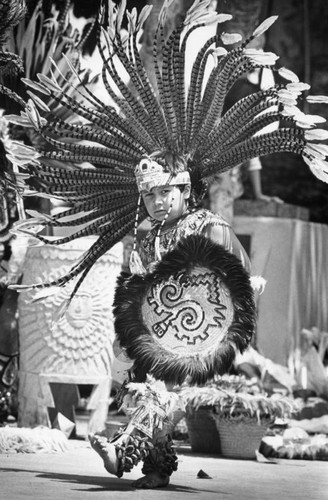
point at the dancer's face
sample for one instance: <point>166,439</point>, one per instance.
<point>159,199</point>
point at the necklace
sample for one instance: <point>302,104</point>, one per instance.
<point>168,235</point>
<point>167,238</point>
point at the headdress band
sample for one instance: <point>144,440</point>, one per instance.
<point>149,174</point>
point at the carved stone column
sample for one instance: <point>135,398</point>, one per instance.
<point>75,349</point>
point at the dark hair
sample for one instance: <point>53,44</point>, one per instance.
<point>192,202</point>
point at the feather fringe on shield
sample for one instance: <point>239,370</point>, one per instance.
<point>149,355</point>
<point>37,440</point>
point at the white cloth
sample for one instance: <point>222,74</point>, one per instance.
<point>292,256</point>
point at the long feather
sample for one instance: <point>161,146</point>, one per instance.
<point>92,149</point>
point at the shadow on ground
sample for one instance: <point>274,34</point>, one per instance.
<point>100,483</point>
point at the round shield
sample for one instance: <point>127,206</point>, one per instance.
<point>184,320</point>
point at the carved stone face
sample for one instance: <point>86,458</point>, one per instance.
<point>80,310</point>
<point>77,340</point>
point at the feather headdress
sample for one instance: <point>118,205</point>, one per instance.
<point>181,121</point>
<point>11,13</point>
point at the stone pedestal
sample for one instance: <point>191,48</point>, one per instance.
<point>75,348</point>
<point>291,254</point>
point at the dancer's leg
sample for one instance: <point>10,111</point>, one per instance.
<point>121,453</point>
<point>107,451</point>
<point>144,431</point>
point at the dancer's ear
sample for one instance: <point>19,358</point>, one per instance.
<point>186,191</point>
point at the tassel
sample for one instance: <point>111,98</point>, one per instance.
<point>157,250</point>
<point>158,256</point>
<point>135,264</point>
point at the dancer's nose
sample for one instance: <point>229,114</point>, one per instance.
<point>158,201</point>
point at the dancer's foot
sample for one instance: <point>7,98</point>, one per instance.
<point>152,480</point>
<point>106,451</point>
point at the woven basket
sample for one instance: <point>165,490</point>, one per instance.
<point>203,434</point>
<point>239,439</point>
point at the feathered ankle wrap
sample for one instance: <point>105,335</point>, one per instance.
<point>129,453</point>
<point>161,459</point>
<point>150,406</point>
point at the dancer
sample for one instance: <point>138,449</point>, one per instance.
<point>167,201</point>
<point>187,306</point>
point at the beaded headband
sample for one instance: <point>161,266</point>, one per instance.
<point>149,174</point>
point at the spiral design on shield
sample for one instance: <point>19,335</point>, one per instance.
<point>191,317</point>
<point>188,311</point>
<point>170,293</point>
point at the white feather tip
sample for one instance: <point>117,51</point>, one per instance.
<point>258,283</point>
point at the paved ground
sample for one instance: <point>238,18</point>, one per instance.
<point>78,474</point>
